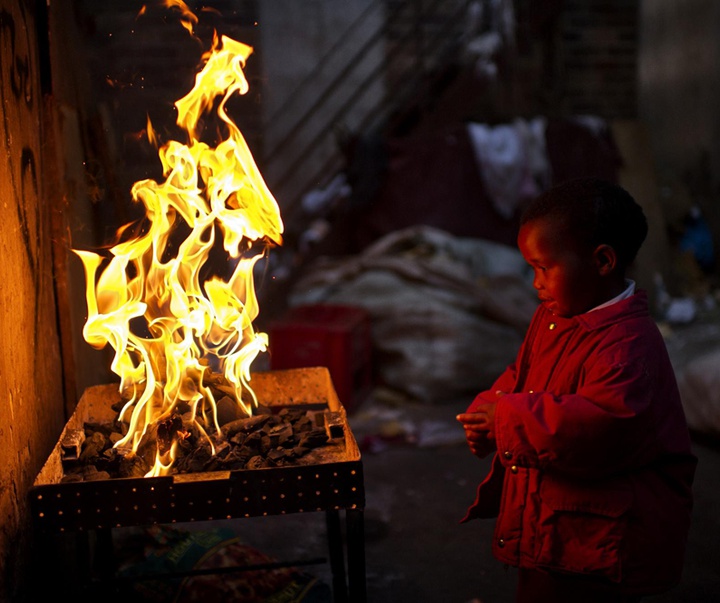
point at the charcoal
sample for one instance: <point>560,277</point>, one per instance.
<point>110,461</point>
<point>287,440</point>
<point>255,423</point>
<point>268,428</point>
<point>183,407</point>
<point>222,450</point>
<point>167,431</point>
<point>265,444</point>
<point>186,445</point>
<point>303,424</point>
<point>228,410</point>
<point>256,462</point>
<point>276,454</point>
<point>181,464</point>
<point>300,451</point>
<point>211,378</point>
<point>289,443</point>
<point>314,438</point>
<point>280,434</point>
<point>198,459</point>
<point>187,418</point>
<point>235,459</point>
<point>220,390</point>
<point>229,430</point>
<point>253,441</point>
<point>91,474</point>
<point>239,438</point>
<point>147,446</point>
<point>265,439</point>
<point>214,464</point>
<point>101,462</point>
<point>133,466</point>
<point>292,414</point>
<point>246,451</point>
<point>93,446</point>
<point>71,477</point>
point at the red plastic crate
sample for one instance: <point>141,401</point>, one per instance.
<point>333,336</point>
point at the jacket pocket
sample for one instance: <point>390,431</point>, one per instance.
<point>581,529</point>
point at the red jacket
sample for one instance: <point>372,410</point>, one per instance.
<point>594,467</point>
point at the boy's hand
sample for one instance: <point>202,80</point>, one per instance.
<point>480,429</point>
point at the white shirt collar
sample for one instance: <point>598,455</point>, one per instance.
<point>629,290</point>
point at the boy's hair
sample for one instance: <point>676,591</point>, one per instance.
<point>594,212</point>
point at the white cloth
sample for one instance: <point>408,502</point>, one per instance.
<point>629,290</point>
<point>512,161</point>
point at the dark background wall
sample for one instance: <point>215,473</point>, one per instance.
<point>678,93</point>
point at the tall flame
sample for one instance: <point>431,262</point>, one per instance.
<point>189,325</point>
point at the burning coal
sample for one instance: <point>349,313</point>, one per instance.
<point>263,440</point>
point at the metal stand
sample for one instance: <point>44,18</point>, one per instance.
<point>95,560</point>
<point>331,483</point>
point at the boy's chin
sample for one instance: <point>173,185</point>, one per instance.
<point>559,311</point>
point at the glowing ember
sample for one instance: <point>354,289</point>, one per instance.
<point>187,326</point>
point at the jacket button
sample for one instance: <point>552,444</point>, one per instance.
<point>501,543</point>
<point>507,454</point>
<point>514,469</point>
<point>551,326</point>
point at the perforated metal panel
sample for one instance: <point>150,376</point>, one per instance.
<point>142,501</point>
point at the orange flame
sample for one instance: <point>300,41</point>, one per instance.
<point>187,18</point>
<point>208,192</point>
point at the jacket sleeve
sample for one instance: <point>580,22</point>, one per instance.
<point>607,425</point>
<point>507,380</point>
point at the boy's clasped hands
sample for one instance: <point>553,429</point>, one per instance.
<point>479,424</point>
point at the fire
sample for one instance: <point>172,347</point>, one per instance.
<point>188,326</point>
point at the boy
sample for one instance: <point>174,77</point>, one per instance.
<point>592,469</point>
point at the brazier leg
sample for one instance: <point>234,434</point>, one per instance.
<point>337,556</point>
<point>355,521</point>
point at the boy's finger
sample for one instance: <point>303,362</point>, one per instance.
<point>472,418</point>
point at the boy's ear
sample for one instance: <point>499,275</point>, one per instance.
<point>605,259</point>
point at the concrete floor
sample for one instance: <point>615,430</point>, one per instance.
<point>419,479</point>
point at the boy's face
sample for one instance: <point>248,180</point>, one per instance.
<point>566,274</point>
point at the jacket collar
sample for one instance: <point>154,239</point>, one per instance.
<point>635,306</point>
